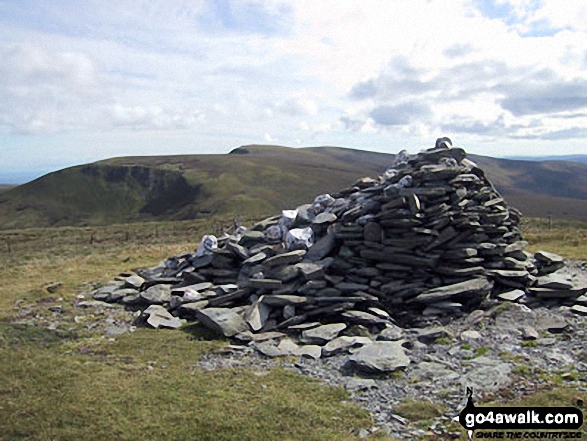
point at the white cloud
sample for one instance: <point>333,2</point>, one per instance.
<point>298,105</point>
<point>268,138</point>
<point>213,74</point>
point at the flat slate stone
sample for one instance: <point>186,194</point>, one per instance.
<point>134,281</point>
<point>554,281</point>
<point>283,299</point>
<point>104,293</point>
<point>309,351</point>
<point>288,346</point>
<point>391,333</point>
<point>321,248</point>
<point>489,377</point>
<point>257,258</point>
<point>119,294</point>
<point>265,283</point>
<point>322,334</point>
<point>362,317</point>
<point>310,270</point>
<point>548,258</point>
<point>285,258</point>
<point>511,296</point>
<point>189,309</point>
<point>268,348</point>
<point>477,286</point>
<point>556,293</point>
<point>324,218</point>
<point>579,309</point>
<point>343,344</point>
<point>380,357</point>
<point>222,320</point>
<point>248,336</point>
<point>257,314</point>
<point>159,317</point>
<point>156,294</point>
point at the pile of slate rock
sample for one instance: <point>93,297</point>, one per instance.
<point>426,242</point>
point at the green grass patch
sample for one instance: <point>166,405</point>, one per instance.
<point>419,410</point>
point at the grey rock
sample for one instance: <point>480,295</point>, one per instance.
<point>362,317</point>
<point>430,335</point>
<point>351,287</point>
<point>321,248</point>
<point>470,335</point>
<point>189,309</point>
<point>548,293</point>
<point>304,326</point>
<point>288,346</point>
<point>309,351</point>
<point>265,283</point>
<point>372,232</point>
<point>288,258</point>
<point>529,333</point>
<point>554,281</point>
<point>158,317</point>
<point>343,344</point>
<point>324,218</point>
<point>268,348</point>
<point>310,270</point>
<point>391,333</point>
<point>432,371</point>
<point>222,320</point>
<point>579,309</point>
<point>322,334</point>
<point>257,314</point>
<point>379,357</point>
<point>548,258</point>
<point>488,376</point>
<point>104,293</point>
<point>478,286</point>
<point>255,259</point>
<point>134,281</point>
<point>512,296</point>
<point>156,294</point>
<point>359,384</point>
<point>285,273</point>
<point>131,299</point>
<point>283,299</point>
<point>248,336</point>
<point>238,250</point>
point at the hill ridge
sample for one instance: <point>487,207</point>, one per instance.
<point>261,180</point>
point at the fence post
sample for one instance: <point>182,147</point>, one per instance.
<point>8,247</point>
<point>91,239</point>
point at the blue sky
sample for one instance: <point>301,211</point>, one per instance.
<point>83,81</point>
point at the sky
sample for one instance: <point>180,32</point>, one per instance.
<point>84,81</point>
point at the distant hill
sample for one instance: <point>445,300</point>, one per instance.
<point>6,187</point>
<point>569,158</point>
<point>255,180</point>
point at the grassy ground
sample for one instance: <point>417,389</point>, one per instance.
<point>70,384</point>
<point>567,238</point>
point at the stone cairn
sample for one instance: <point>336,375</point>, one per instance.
<point>426,242</point>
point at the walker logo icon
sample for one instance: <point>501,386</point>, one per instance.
<point>518,418</point>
